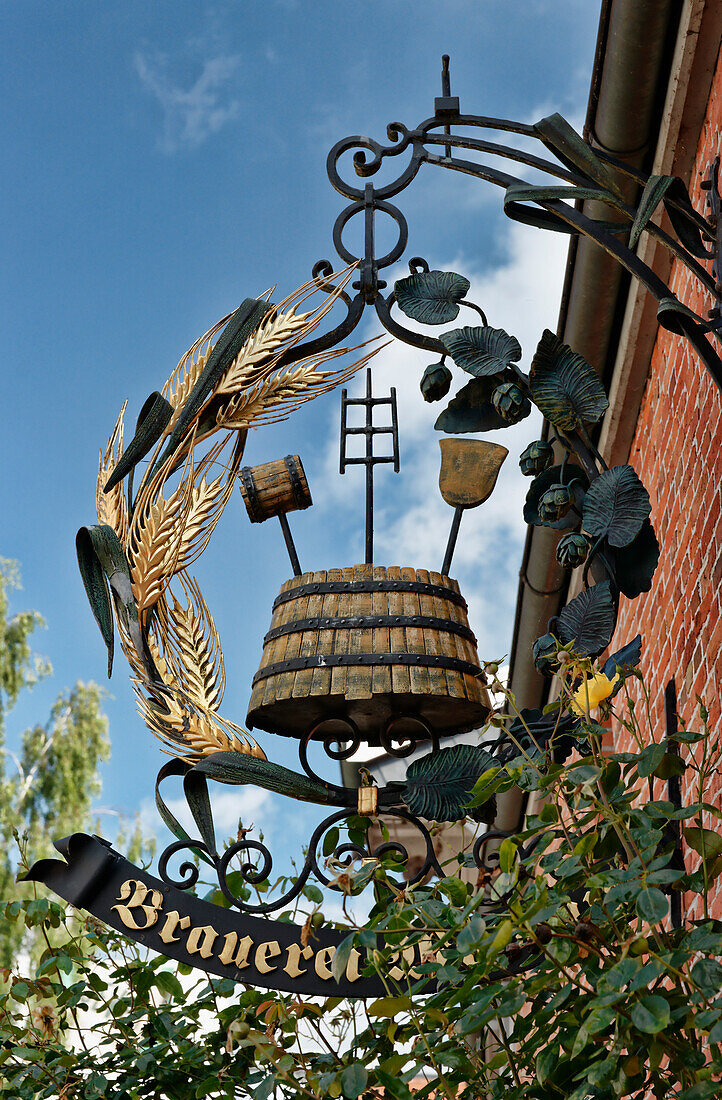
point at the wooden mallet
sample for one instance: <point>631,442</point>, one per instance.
<point>273,489</point>
<point>469,469</point>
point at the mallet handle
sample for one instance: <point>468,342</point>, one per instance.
<point>288,537</point>
<point>453,534</point>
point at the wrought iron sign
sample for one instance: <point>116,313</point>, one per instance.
<point>362,654</point>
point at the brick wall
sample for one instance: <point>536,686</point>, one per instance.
<point>677,452</point>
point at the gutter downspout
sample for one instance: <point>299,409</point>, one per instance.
<point>635,45</point>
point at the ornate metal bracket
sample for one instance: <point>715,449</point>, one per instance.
<point>553,207</point>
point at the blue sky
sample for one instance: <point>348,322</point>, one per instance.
<point>166,160</point>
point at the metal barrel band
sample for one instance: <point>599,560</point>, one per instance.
<point>252,493</point>
<point>338,660</point>
<point>342,587</point>
<point>366,622</point>
<point>296,488</point>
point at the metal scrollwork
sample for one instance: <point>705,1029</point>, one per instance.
<point>327,871</point>
<point>432,142</point>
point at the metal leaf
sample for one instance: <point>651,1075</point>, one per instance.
<point>96,589</point>
<point>589,620</point>
<point>482,351</point>
<point>104,569</point>
<point>684,221</point>
<point>431,297</point>
<point>655,189</point>
<point>572,150</point>
<point>241,325</point>
<point>626,658</point>
<point>438,786</point>
<point>543,481</point>
<point>471,410</point>
<point>233,767</point>
<point>152,421</point>
<point>564,386</point>
<point>616,506</point>
<point>533,731</point>
<point>634,565</point>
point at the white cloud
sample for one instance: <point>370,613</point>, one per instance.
<point>191,114</point>
<point>411,520</point>
<point>252,805</point>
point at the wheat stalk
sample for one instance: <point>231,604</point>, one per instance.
<point>112,507</point>
<point>192,648</point>
<point>179,696</point>
<point>260,346</point>
<point>189,727</point>
<point>153,541</point>
<point>274,399</point>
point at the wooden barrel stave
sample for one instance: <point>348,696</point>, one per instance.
<point>292,701</point>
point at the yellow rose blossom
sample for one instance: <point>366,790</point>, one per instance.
<point>592,692</point>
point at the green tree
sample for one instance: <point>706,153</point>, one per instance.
<point>46,789</point>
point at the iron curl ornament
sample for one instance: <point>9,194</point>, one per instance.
<point>257,366</point>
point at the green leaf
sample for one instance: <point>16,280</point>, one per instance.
<point>545,1063</point>
<point>564,386</point>
<point>471,936</point>
<point>471,410</point>
<point>439,785</point>
<point>341,957</point>
<point>616,506</point>
<point>651,904</point>
<point>707,974</point>
<point>649,759</point>
<point>650,1014</point>
<point>330,841</point>
<point>670,765</point>
<point>507,855</point>
<point>169,984</point>
<point>501,939</point>
<point>483,351</point>
<point>264,1090</point>
<point>703,1090</point>
<point>393,1086</point>
<point>634,565</point>
<point>588,620</point>
<point>390,1006</point>
<point>353,1080</point>
<point>543,481</point>
<point>431,297</point>
<point>704,841</point>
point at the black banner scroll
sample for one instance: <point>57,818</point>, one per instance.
<point>177,924</point>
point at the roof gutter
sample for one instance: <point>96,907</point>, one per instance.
<point>634,53</point>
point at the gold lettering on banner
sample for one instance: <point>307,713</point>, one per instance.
<point>173,921</point>
<point>200,941</point>
<point>264,951</point>
<point>352,970</point>
<point>398,972</point>
<point>322,962</point>
<point>295,951</point>
<point>240,958</point>
<point>138,892</point>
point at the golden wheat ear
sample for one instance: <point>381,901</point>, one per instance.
<point>232,378</point>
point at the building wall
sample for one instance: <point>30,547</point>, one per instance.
<point>677,452</point>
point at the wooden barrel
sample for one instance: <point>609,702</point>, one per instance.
<point>274,488</point>
<point>372,644</point>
